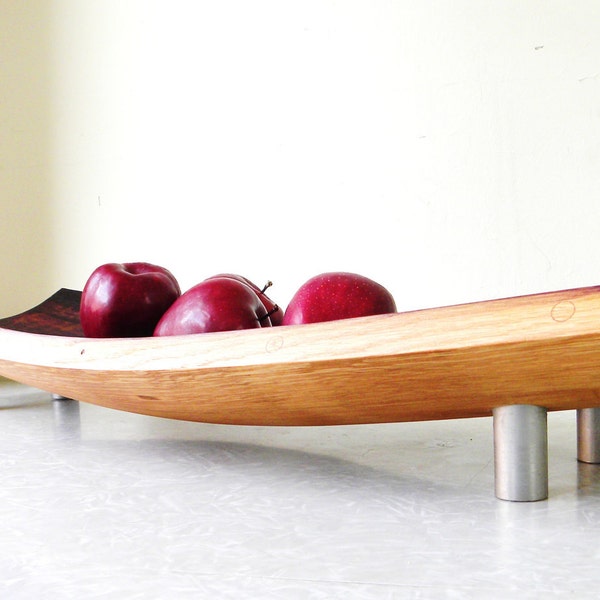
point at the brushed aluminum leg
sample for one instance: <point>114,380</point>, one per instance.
<point>67,420</point>
<point>588,435</point>
<point>521,453</point>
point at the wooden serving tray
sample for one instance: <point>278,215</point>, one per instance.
<point>441,363</point>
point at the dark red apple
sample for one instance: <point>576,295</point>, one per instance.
<point>275,311</point>
<point>216,304</point>
<point>126,299</point>
<point>338,295</point>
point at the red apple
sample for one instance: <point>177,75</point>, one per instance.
<point>126,299</point>
<point>338,295</point>
<point>275,311</point>
<point>216,304</point>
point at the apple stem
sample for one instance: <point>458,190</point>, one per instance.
<point>273,310</point>
<point>266,287</point>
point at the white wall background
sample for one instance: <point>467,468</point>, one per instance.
<point>450,150</point>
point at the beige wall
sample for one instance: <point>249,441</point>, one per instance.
<point>448,149</point>
<point>26,244</point>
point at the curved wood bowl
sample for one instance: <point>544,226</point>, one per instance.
<point>441,363</point>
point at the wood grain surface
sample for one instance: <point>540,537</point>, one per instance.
<point>441,363</point>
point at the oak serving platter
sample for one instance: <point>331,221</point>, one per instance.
<point>440,363</point>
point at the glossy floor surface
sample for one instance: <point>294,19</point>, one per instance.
<point>98,503</point>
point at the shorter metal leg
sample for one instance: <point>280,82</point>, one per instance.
<point>521,453</point>
<point>588,435</point>
<point>59,397</point>
<point>67,420</point>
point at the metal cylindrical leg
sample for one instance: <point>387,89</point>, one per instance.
<point>521,453</point>
<point>67,420</point>
<point>588,435</point>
